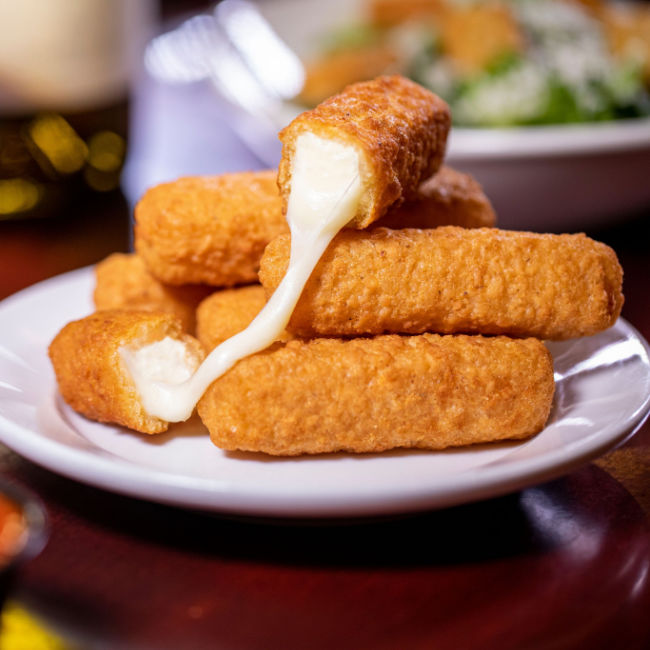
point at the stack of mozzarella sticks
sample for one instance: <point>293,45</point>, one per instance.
<point>422,325</point>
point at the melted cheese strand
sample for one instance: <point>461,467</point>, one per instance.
<point>317,210</point>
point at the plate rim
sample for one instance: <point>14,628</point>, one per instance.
<point>549,140</point>
<point>214,495</point>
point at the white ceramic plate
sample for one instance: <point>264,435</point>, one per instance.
<point>603,395</point>
<point>546,178</point>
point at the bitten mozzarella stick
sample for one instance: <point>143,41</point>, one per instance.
<point>448,198</point>
<point>228,312</point>
<point>209,229</point>
<point>369,395</point>
<point>397,128</point>
<point>88,357</point>
<point>123,282</point>
<point>451,279</point>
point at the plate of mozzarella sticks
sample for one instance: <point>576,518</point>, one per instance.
<point>350,334</point>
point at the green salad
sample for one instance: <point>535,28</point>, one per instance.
<point>563,72</point>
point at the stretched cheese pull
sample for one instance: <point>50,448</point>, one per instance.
<point>227,312</point>
<point>449,197</point>
<point>451,280</point>
<point>344,163</point>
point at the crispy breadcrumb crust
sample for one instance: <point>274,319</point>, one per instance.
<point>370,395</point>
<point>228,312</point>
<point>448,198</point>
<point>399,129</point>
<point>209,229</point>
<point>122,281</point>
<point>91,375</point>
<point>452,279</point>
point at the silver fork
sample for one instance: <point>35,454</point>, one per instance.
<point>252,69</point>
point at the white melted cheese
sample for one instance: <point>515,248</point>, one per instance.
<point>167,361</point>
<point>325,194</point>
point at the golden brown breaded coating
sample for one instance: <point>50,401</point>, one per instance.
<point>452,279</point>
<point>448,198</point>
<point>399,129</point>
<point>209,229</point>
<point>122,281</point>
<point>92,377</point>
<point>369,395</point>
<point>228,312</point>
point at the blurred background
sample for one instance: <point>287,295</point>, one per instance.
<point>70,73</point>
<point>100,100</point>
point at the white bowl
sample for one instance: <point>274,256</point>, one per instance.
<point>546,178</point>
<point>559,178</point>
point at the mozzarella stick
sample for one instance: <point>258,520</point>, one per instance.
<point>370,395</point>
<point>209,229</point>
<point>122,281</point>
<point>451,279</point>
<point>227,312</point>
<point>213,230</point>
<point>448,198</point>
<point>89,363</point>
<point>398,129</point>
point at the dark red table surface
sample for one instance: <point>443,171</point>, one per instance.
<point>557,566</point>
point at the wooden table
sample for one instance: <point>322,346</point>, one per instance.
<point>560,565</point>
